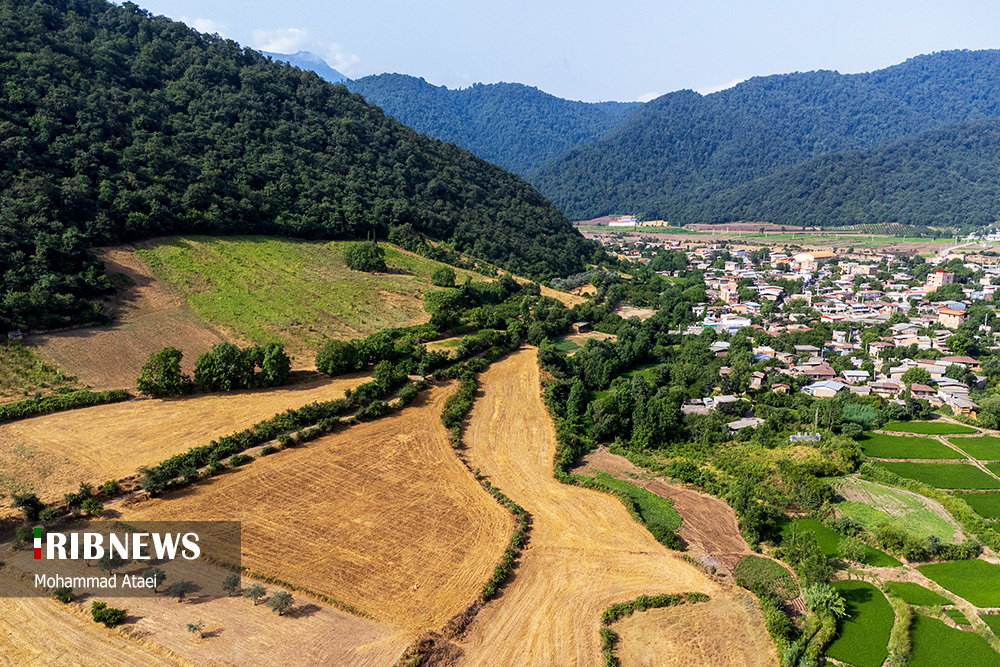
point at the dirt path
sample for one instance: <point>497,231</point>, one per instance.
<point>710,529</point>
<point>149,316</point>
<point>585,551</point>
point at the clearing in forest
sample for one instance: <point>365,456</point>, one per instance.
<point>381,516</point>
<point>50,455</point>
<point>585,551</point>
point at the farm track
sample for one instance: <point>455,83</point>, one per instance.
<point>585,551</point>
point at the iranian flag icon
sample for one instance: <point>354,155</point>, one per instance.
<point>38,543</point>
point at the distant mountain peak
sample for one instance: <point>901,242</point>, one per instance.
<point>306,60</point>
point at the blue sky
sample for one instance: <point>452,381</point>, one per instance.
<point>586,50</point>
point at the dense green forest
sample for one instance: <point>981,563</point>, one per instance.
<point>674,152</point>
<point>515,126</point>
<point>116,125</point>
<point>941,177</point>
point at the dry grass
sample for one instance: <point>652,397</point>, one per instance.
<point>716,633</point>
<point>382,516</point>
<point>585,551</point>
<point>51,455</point>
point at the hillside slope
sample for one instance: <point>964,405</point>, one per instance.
<point>678,149</point>
<point>515,126</point>
<point>117,126</point>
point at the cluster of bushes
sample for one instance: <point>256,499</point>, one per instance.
<point>109,616</point>
<point>396,346</point>
<point>32,407</point>
<point>458,406</point>
<point>614,612</point>
<point>224,368</point>
<point>903,543</point>
<point>365,256</point>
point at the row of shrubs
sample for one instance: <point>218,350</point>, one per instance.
<point>902,543</point>
<point>32,407</point>
<point>517,540</point>
<point>614,612</point>
<point>364,400</point>
<point>958,508</point>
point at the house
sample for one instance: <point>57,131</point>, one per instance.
<point>581,327</point>
<point>781,388</point>
<point>922,391</point>
<point>856,377</point>
<point>963,361</point>
<point>951,318</point>
<point>820,372</point>
<point>751,422</point>
<point>962,406</point>
<point>939,278</point>
<point>811,261</point>
<point>886,389</point>
<point>824,388</point>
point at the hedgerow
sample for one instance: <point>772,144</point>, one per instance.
<point>32,407</point>
<point>619,610</point>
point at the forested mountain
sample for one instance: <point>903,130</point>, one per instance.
<point>671,154</point>
<point>939,177</point>
<point>309,62</point>
<point>515,126</point>
<point>116,126</point>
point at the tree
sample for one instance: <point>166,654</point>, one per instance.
<point>156,574</point>
<point>989,412</point>
<point>365,256</point>
<point>109,616</point>
<point>443,276</point>
<point>824,600</point>
<point>224,368</point>
<point>64,594</point>
<point>280,602</point>
<point>338,357</point>
<point>255,592</point>
<point>111,561</point>
<point>178,590</point>
<point>275,366</point>
<point>916,375</point>
<point>198,627</point>
<point>92,507</point>
<point>29,504</point>
<point>853,549</point>
<point>231,584</point>
<point>161,374</point>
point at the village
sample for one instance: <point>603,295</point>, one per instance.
<point>896,320</point>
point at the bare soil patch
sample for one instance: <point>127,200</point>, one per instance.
<point>149,316</point>
<point>710,529</point>
<point>585,551</point>
<point>684,635</point>
<point>381,516</point>
<point>626,312</point>
<point>52,454</point>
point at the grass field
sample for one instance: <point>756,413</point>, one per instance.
<point>754,569</point>
<point>912,593</point>
<point>654,509</point>
<point>829,542</point>
<point>934,644</point>
<point>929,428</point>
<point>993,621</point>
<point>881,445</point>
<point>974,580</point>
<point>921,520</point>
<point>52,454</point>
<point>382,516</point>
<point>23,373</point>
<point>872,504</point>
<point>943,475</point>
<point>268,289</point>
<point>985,448</point>
<point>863,635</point>
<point>985,504</point>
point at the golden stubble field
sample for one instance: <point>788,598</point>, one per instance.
<point>381,516</point>
<point>585,551</point>
<point>52,454</point>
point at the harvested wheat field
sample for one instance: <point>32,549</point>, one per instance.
<point>155,630</point>
<point>717,633</point>
<point>381,516</point>
<point>149,315</point>
<point>585,551</point>
<point>52,454</point>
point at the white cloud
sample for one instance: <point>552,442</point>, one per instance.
<point>646,97</point>
<point>715,89</point>
<point>292,40</point>
<point>206,25</point>
<point>281,40</point>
